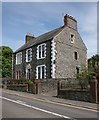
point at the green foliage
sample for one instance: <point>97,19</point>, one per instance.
<point>93,64</point>
<point>86,74</point>
<point>29,82</point>
<point>23,81</point>
<point>5,61</point>
<point>83,78</point>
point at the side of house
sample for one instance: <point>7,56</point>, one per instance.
<point>70,50</point>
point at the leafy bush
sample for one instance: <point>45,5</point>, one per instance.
<point>84,77</point>
<point>5,61</point>
<point>29,81</point>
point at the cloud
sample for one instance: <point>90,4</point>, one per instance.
<point>89,22</point>
<point>38,18</point>
<point>88,29</point>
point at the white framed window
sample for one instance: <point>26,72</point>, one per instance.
<point>28,55</point>
<point>19,58</point>
<point>28,72</point>
<point>41,51</point>
<point>72,37</point>
<point>18,75</point>
<point>41,72</point>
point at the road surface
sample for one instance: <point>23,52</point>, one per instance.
<point>14,106</point>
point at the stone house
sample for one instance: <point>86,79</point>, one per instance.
<point>59,53</point>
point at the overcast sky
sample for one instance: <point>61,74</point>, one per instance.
<point>21,18</point>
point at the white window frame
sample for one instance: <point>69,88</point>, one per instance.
<point>40,66</point>
<point>72,41</point>
<point>30,49</point>
<point>42,57</point>
<point>18,58</point>
<point>18,73</point>
<point>28,67</point>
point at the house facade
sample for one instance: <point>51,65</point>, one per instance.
<point>59,53</point>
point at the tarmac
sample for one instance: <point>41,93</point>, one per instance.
<point>51,97</point>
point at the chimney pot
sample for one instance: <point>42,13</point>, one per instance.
<point>28,37</point>
<point>70,22</point>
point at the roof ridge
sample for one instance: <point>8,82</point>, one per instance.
<point>42,38</point>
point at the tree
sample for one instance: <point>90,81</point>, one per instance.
<point>87,73</point>
<point>5,61</point>
<point>84,77</point>
<point>93,64</point>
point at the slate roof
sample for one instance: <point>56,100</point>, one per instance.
<point>40,39</point>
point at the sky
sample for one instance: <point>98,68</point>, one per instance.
<point>20,18</point>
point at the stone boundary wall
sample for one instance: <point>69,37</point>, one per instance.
<point>77,95</point>
<point>47,85</point>
<point>66,88</point>
<point>72,90</point>
<point>18,87</point>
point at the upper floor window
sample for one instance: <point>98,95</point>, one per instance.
<point>72,38</point>
<point>75,55</point>
<point>19,58</point>
<point>41,51</point>
<point>28,55</point>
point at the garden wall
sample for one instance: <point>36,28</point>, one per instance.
<point>18,87</point>
<point>72,90</point>
<point>76,95</point>
<point>47,85</point>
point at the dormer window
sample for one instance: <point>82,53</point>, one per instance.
<point>41,51</point>
<point>18,58</point>
<point>28,55</point>
<point>72,38</point>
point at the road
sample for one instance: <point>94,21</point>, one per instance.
<point>14,106</point>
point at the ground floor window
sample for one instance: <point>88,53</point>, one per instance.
<point>18,75</point>
<point>77,70</point>
<point>28,72</point>
<point>41,72</point>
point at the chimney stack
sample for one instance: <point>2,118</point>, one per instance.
<point>28,37</point>
<point>70,22</point>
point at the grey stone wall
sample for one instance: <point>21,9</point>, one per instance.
<point>17,87</point>
<point>71,89</point>
<point>47,85</point>
<point>65,62</point>
<point>77,95</point>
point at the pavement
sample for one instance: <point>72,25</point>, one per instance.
<point>50,97</point>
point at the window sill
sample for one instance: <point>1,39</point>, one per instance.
<point>19,64</point>
<point>40,58</point>
<point>28,61</point>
